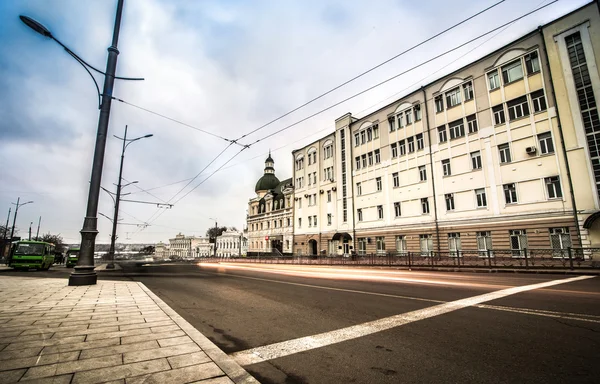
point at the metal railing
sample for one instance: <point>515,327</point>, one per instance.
<point>493,259</point>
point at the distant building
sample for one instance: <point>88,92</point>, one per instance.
<point>161,251</point>
<point>203,247</point>
<point>270,215</point>
<point>229,244</point>
<point>183,247</point>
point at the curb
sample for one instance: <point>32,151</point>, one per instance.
<point>232,369</point>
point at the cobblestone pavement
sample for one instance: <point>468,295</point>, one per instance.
<point>111,332</point>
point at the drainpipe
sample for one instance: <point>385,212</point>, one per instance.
<point>562,139</point>
<point>351,187</point>
<point>435,215</point>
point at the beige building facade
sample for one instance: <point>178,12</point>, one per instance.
<point>479,159</point>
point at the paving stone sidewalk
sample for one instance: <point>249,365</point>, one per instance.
<point>111,332</point>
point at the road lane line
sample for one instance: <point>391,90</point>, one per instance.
<point>286,348</point>
<point>545,313</point>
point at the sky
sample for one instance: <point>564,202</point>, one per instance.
<point>226,67</point>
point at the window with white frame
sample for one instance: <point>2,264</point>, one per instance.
<point>504,151</point>
<point>315,220</point>
<point>397,209</point>
<point>454,246</point>
<point>329,219</point>
<point>499,116</point>
<point>327,151</point>
<point>357,159</point>
<point>378,183</point>
<point>401,244</point>
<point>425,205</point>
<point>446,167</point>
<point>442,134</point>
<point>380,212</point>
<point>545,142</point>
<point>472,123</point>
<point>411,144</point>
<point>299,222</point>
<point>426,244</point>
<point>553,187</point>
<point>493,80</point>
<point>392,123</point>
<point>484,242</point>
<point>310,201</point>
<point>402,147</point>
<point>538,100</point>
<point>468,90</point>
<point>510,193</point>
<point>375,131</point>
<point>356,139</point>
<point>364,160</point>
<point>315,177</point>
<point>453,97</point>
<point>532,62</point>
<point>396,179</point>
<point>380,242</point>
<point>299,164</point>
<point>300,202</point>
<point>475,160</point>
<point>363,137</point>
<point>408,115</point>
<point>377,156</point>
<point>560,239</point>
<point>370,158</point>
<point>369,134</point>
<point>449,197</point>
<point>362,245</point>
<point>400,118</point>
<point>422,173</point>
<point>358,189</point>
<point>309,221</point>
<point>359,214</point>
<point>512,72</point>
<point>328,173</point>
<point>518,108</point>
<point>418,112</point>
<point>420,142</point>
<point>518,242</point>
<point>439,104</point>
<point>394,148</point>
<point>480,198</point>
<point>457,129</point>
<point>329,196</point>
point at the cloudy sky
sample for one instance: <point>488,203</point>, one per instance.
<point>224,66</point>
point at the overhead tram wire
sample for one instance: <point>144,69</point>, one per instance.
<point>370,70</point>
<point>398,75</point>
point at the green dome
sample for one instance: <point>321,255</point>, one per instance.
<point>267,182</point>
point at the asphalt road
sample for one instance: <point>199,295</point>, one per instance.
<point>323,325</point>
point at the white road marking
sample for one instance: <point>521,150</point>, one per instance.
<point>541,312</point>
<point>286,348</point>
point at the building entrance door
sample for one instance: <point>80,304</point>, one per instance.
<point>277,247</point>
<point>346,249</point>
<point>313,247</point>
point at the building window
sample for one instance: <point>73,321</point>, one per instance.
<point>362,245</point>
<point>408,115</point>
<point>309,221</point>
<point>329,196</point>
<point>357,158</point>
<point>426,244</point>
<point>328,151</point>
<point>472,123</point>
<point>504,151</point>
<point>300,202</point>
<point>499,116</point>
<point>394,148</point>
<point>518,108</point>
<point>363,137</point>
<point>518,242</point>
<point>493,80</point>
<point>356,139</point>
<point>446,167</point>
<point>370,158</point>
<point>512,72</point>
<point>380,241</point>
<point>553,187</point>
<point>538,100</point>
<point>377,157</point>
<point>396,179</point>
<point>378,183</point>
<point>420,143</point>
<point>411,144</point>
<point>364,160</point>
<point>454,245</point>
<point>299,164</point>
<point>400,118</point>
<point>425,205</point>
<point>475,160</point>
<point>401,244</point>
<point>510,193</point>
<point>392,123</point>
<point>358,189</point>
<point>532,63</point>
<point>315,220</point>
<point>299,223</point>
<point>397,209</point>
<point>329,219</point>
<point>418,112</point>
<point>380,212</point>
<point>439,104</point>
<point>480,197</point>
<point>289,222</point>
<point>457,129</point>
<point>453,97</point>
<point>369,134</point>
<point>468,90</point>
<point>484,242</point>
<point>442,134</point>
<point>375,131</point>
<point>449,201</point>
<point>560,240</point>
<point>359,214</point>
<point>402,147</point>
<point>422,173</point>
<point>545,142</point>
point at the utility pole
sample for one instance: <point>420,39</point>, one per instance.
<point>12,231</point>
<point>37,234</point>
<point>30,224</point>
<point>4,234</point>
<point>215,249</point>
<point>113,238</point>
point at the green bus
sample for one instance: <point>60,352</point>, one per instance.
<point>31,254</point>
<point>72,257</point>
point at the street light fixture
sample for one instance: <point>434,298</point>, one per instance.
<point>12,231</point>
<point>83,273</point>
<point>113,237</point>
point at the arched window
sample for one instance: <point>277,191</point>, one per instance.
<point>276,204</point>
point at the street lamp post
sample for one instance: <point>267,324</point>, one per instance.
<point>215,247</point>
<point>111,252</point>
<point>83,273</point>
<point>12,231</point>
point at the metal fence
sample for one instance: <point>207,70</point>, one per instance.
<point>540,259</point>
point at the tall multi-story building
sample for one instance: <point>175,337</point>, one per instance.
<point>481,158</point>
<point>270,214</point>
